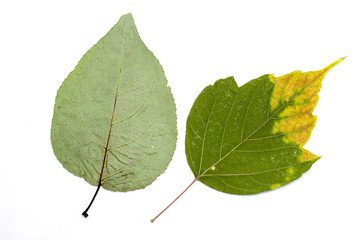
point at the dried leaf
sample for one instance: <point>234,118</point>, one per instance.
<point>114,118</point>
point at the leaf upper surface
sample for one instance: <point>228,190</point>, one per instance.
<point>249,139</point>
<point>115,115</point>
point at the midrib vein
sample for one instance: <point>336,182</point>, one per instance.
<point>113,114</point>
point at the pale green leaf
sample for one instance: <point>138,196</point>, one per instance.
<point>114,120</point>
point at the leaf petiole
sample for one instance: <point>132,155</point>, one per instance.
<point>152,220</point>
<point>92,200</point>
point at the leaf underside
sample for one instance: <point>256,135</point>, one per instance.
<point>249,139</point>
<point>114,115</point>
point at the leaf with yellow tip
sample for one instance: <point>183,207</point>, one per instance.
<point>249,139</point>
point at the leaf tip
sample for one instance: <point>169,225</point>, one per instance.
<point>334,63</point>
<point>342,58</point>
<point>128,17</point>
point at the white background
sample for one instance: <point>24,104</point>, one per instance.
<point>197,43</point>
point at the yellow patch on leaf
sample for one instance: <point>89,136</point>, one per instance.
<point>289,174</point>
<point>290,171</point>
<point>276,185</point>
<point>294,97</point>
<point>297,86</point>
<point>297,128</point>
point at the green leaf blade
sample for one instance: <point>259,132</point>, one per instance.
<point>116,108</point>
<point>250,139</point>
